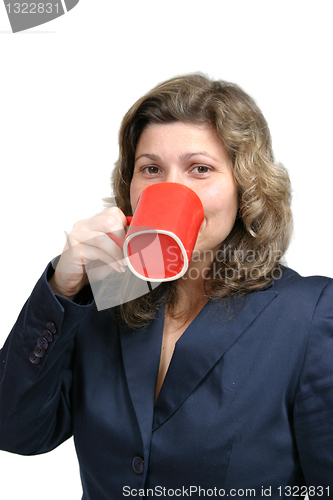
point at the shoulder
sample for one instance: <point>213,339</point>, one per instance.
<point>300,298</point>
<point>289,282</point>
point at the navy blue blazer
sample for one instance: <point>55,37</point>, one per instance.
<point>246,408</point>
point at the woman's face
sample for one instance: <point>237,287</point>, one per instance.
<point>192,155</point>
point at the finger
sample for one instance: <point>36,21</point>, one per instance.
<point>99,241</point>
<point>108,221</point>
<point>89,253</point>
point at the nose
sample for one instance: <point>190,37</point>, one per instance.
<point>174,175</point>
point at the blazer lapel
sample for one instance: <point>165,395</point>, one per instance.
<point>141,352</point>
<point>204,342</point>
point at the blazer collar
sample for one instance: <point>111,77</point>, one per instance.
<point>204,342</point>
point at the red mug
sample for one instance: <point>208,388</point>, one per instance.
<point>162,232</point>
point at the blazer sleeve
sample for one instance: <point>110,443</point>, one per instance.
<point>35,392</point>
<point>313,412</point>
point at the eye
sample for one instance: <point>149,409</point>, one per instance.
<point>201,169</point>
<point>150,170</point>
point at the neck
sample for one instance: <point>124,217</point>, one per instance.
<point>191,292</point>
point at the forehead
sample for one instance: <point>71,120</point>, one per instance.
<point>179,136</point>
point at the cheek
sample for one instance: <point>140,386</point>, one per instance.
<point>220,203</point>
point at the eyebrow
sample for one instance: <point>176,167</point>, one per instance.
<point>151,156</point>
<point>188,156</point>
<point>184,157</point>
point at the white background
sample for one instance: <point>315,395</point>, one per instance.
<point>64,89</point>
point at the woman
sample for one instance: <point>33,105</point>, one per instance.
<point>217,384</point>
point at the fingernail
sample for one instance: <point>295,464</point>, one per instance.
<point>123,269</point>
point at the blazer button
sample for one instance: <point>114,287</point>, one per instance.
<point>48,335</point>
<point>38,352</point>
<point>138,465</point>
<point>51,327</point>
<point>33,358</point>
<point>42,343</point>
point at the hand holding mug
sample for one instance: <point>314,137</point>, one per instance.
<point>157,247</point>
<point>86,243</point>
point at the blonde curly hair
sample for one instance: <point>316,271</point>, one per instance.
<point>250,256</point>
